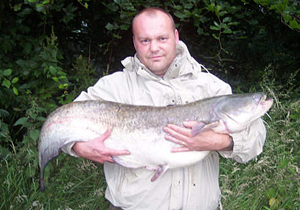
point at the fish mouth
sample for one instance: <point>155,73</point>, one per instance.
<point>265,102</point>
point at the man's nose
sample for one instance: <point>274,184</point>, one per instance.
<point>154,46</point>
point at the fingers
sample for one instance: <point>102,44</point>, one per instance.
<point>101,157</point>
<point>112,152</point>
<point>180,149</point>
<point>104,136</point>
<point>95,149</point>
<point>175,140</point>
<point>107,151</point>
<point>190,124</point>
<point>180,133</point>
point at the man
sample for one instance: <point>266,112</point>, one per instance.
<point>162,73</point>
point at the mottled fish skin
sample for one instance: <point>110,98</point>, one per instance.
<point>139,129</point>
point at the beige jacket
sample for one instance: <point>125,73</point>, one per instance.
<point>192,188</point>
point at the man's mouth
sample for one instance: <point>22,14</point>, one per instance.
<point>156,57</point>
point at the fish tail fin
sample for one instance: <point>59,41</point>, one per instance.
<point>42,185</point>
<point>159,171</point>
<point>42,181</point>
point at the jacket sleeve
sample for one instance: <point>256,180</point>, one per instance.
<point>248,143</point>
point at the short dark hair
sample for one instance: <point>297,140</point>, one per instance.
<point>152,11</point>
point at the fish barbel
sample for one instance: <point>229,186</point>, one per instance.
<point>139,129</point>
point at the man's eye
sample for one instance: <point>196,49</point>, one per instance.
<point>144,41</point>
<point>163,39</point>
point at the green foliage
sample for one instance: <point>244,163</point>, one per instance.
<point>289,11</point>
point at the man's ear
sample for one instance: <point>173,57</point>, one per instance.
<point>133,40</point>
<point>176,36</point>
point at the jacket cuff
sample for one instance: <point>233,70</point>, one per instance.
<point>68,148</point>
<point>248,143</point>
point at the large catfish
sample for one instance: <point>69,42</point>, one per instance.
<point>139,129</point>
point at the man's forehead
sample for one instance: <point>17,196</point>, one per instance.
<point>146,20</point>
<point>152,15</point>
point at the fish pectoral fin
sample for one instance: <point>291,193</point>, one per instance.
<point>159,171</point>
<point>201,126</point>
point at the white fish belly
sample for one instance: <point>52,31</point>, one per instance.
<point>150,150</point>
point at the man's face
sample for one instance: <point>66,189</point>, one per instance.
<point>155,41</point>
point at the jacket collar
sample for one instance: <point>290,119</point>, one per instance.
<point>182,64</point>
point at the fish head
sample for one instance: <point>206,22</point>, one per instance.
<point>238,111</point>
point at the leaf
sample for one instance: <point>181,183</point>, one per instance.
<point>55,79</point>
<point>4,113</point>
<point>21,62</point>
<point>25,11</point>
<point>273,6</point>
<point>112,6</point>
<point>17,7</point>
<point>200,31</point>
<point>180,15</point>
<point>21,121</point>
<point>188,6</point>
<point>34,134</point>
<point>54,53</point>
<point>15,80</point>
<point>236,23</point>
<point>286,17</point>
<point>217,10</point>
<point>52,70</point>
<point>227,31</point>
<point>15,90</point>
<point>294,24</point>
<point>7,72</point>
<point>111,27</point>
<point>217,24</point>
<point>214,28</point>
<point>41,119</point>
<point>117,36</point>
<point>6,83</point>
<point>227,19</point>
<point>211,7</point>
<point>215,36</point>
<point>124,27</point>
<point>222,13</point>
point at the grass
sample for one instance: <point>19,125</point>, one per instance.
<point>271,181</point>
<point>71,184</point>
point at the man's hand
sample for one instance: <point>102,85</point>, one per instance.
<point>204,141</point>
<point>95,149</point>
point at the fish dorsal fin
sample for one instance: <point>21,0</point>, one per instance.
<point>202,126</point>
<point>217,126</point>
